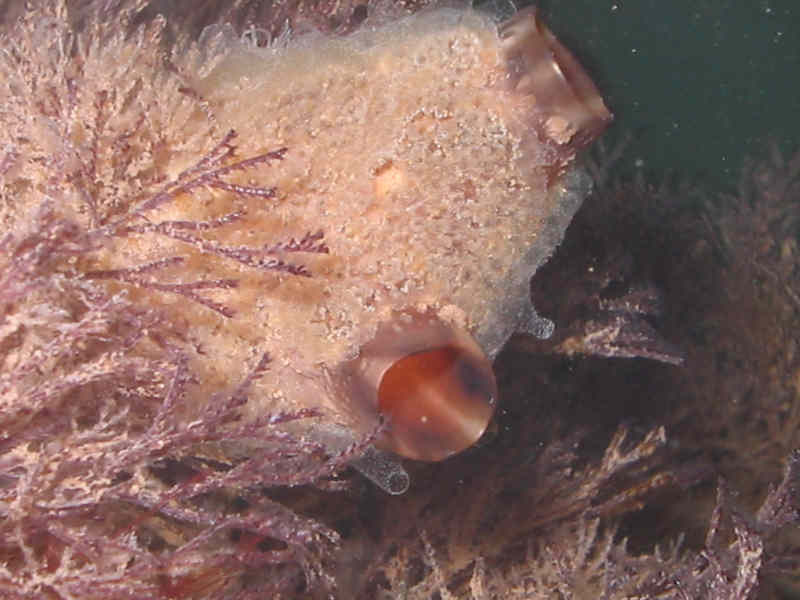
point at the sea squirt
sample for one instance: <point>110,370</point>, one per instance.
<point>421,170</point>
<point>434,151</point>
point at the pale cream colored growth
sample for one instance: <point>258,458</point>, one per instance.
<point>407,149</point>
<point>406,146</point>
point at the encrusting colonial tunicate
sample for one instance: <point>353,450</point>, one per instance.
<point>434,152</point>
<point>419,168</point>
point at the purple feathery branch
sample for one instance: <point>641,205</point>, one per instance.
<point>132,276</point>
<point>205,172</point>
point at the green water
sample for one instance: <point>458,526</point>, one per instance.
<point>701,84</point>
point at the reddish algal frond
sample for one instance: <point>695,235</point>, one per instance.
<point>189,290</point>
<point>310,242</point>
<point>251,257</point>
<point>207,172</point>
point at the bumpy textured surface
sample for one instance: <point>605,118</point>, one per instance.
<point>422,167</point>
<point>404,144</point>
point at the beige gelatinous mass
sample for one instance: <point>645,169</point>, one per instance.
<point>419,166</point>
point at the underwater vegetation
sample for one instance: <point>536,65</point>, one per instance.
<point>648,448</point>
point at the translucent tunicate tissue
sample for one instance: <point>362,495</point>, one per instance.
<point>384,470</point>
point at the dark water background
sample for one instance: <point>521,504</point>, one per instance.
<point>701,84</point>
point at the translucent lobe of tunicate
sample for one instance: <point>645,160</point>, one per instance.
<point>434,154</point>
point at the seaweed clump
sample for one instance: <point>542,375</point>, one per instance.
<point>114,485</point>
<point>649,448</point>
<point>110,482</point>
